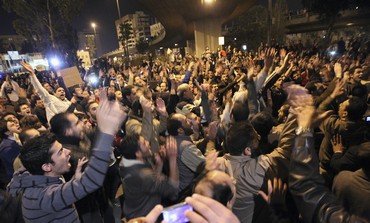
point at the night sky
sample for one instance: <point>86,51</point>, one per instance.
<point>103,13</point>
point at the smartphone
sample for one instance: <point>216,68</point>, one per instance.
<point>368,118</point>
<point>175,213</point>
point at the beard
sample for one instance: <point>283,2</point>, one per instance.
<point>187,131</point>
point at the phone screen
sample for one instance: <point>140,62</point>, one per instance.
<point>176,213</point>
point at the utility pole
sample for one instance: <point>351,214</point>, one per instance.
<point>50,25</point>
<point>119,10</point>
<point>269,22</point>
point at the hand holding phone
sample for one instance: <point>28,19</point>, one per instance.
<point>175,213</point>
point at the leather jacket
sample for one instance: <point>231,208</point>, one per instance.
<point>315,202</point>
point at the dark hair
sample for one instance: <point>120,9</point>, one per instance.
<point>59,124</point>
<point>36,152</point>
<point>363,154</point>
<point>17,108</point>
<point>137,110</point>
<point>356,108</point>
<point>360,91</point>
<point>87,107</point>
<point>30,122</point>
<point>222,193</point>
<point>263,122</point>
<point>23,136</point>
<point>173,124</point>
<point>34,100</point>
<point>127,90</point>
<point>239,137</point>
<point>353,69</point>
<point>129,146</point>
<point>240,111</point>
<point>3,129</point>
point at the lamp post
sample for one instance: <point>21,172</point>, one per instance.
<point>93,25</point>
<point>119,10</point>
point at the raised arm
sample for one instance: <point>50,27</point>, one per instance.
<point>109,117</point>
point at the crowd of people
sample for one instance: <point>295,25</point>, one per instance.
<point>276,135</point>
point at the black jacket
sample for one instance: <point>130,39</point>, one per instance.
<point>314,200</point>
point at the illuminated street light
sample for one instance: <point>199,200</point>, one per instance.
<point>93,25</point>
<point>208,1</point>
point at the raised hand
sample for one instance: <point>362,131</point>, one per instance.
<point>208,210</point>
<point>337,144</point>
<point>171,147</point>
<point>276,192</point>
<point>27,67</point>
<point>211,160</point>
<point>269,58</point>
<point>339,89</point>
<point>161,106</point>
<point>81,162</point>
<point>338,70</point>
<point>109,115</point>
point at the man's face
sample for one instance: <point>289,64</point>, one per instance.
<point>186,125</point>
<point>60,93</point>
<point>92,110</point>
<point>96,93</point>
<point>60,156</point>
<point>13,127</point>
<point>24,110</point>
<point>11,117</point>
<point>76,126</point>
<point>188,94</point>
<point>118,95</point>
<point>163,87</point>
<point>40,103</point>
<point>132,97</point>
<point>48,88</point>
<point>357,75</point>
<point>111,72</point>
<point>342,111</point>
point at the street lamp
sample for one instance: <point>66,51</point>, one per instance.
<point>93,25</point>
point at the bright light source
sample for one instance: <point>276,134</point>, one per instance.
<point>349,24</point>
<point>244,47</point>
<point>93,24</point>
<point>93,79</point>
<point>234,39</point>
<point>356,7</point>
<point>324,37</point>
<point>208,1</point>
<point>332,52</point>
<point>55,62</point>
<point>176,44</point>
<point>161,48</point>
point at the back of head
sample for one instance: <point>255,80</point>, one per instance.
<point>27,134</point>
<point>173,124</point>
<point>36,152</point>
<point>356,108</point>
<point>240,112</point>
<point>363,155</point>
<point>263,123</point>
<point>3,129</point>
<point>126,91</point>
<point>129,146</point>
<point>59,124</point>
<point>30,122</point>
<point>240,136</point>
<point>218,186</point>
